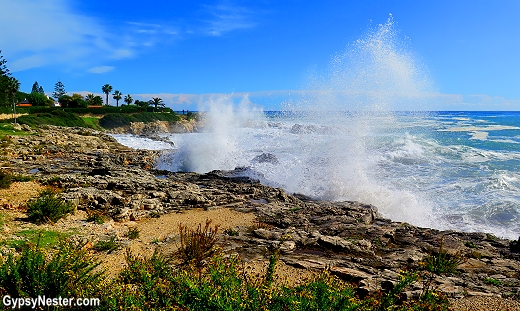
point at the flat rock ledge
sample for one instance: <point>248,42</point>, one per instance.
<point>350,239</point>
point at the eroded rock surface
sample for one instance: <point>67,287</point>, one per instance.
<point>350,239</point>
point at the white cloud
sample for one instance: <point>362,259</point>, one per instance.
<point>101,69</point>
<point>50,32</point>
<point>27,63</point>
<point>170,99</point>
<point>273,100</point>
<point>226,18</point>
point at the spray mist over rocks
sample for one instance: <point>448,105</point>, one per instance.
<point>321,147</point>
<point>349,139</point>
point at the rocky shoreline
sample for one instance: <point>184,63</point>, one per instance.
<point>350,239</point>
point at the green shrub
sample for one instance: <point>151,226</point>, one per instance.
<point>114,120</point>
<point>152,116</point>
<point>470,244</point>
<point>442,262</point>
<point>48,207</point>
<point>6,180</point>
<point>56,117</point>
<point>133,233</point>
<point>231,232</point>
<point>492,281</point>
<point>67,272</point>
<point>109,245</point>
<point>23,178</point>
<point>95,217</point>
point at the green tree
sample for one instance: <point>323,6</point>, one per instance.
<point>4,80</point>
<point>21,96</point>
<point>65,101</point>
<point>142,104</point>
<point>12,87</point>
<point>37,99</point>
<point>89,98</point>
<point>117,97</point>
<point>40,90</point>
<point>3,68</point>
<point>97,101</point>
<point>128,99</point>
<point>78,101</point>
<point>107,89</point>
<point>156,102</point>
<point>74,101</point>
<point>59,90</point>
<point>94,100</point>
<point>35,88</point>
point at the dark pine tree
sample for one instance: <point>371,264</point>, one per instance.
<point>35,88</point>
<point>3,68</point>
<point>59,90</point>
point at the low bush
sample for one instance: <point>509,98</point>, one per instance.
<point>492,281</point>
<point>42,238</point>
<point>95,217</point>
<point>133,233</point>
<point>197,245</point>
<point>48,207</point>
<point>442,263</point>
<point>159,283</point>
<point>6,180</point>
<point>68,272</point>
<point>114,120</point>
<point>56,117</point>
<point>109,245</point>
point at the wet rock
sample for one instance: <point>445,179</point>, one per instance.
<point>266,158</point>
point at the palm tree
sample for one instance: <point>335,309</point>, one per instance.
<point>12,87</point>
<point>89,98</point>
<point>107,88</point>
<point>128,99</point>
<point>156,102</point>
<point>117,97</point>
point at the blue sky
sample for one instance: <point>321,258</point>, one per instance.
<point>183,51</point>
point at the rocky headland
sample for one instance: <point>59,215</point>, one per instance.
<point>350,239</point>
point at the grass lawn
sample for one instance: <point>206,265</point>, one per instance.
<point>92,122</point>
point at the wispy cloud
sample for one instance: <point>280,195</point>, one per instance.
<point>226,18</point>
<point>278,99</point>
<point>50,32</point>
<point>101,69</point>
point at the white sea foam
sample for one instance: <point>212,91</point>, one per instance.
<point>141,142</point>
<point>480,128</point>
<point>479,135</point>
<point>344,142</point>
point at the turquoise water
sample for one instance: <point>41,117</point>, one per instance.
<point>446,170</point>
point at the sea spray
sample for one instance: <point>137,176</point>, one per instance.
<point>358,96</point>
<point>377,73</point>
<point>216,147</point>
<point>345,141</point>
<point>323,147</point>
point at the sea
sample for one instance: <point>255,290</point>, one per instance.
<point>366,128</point>
<point>448,170</point>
